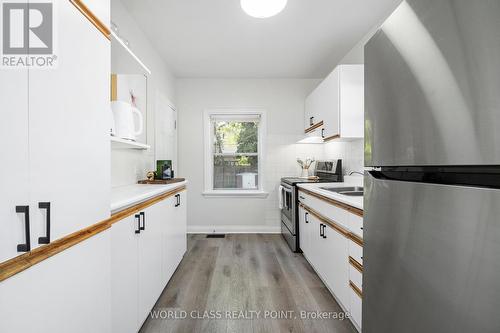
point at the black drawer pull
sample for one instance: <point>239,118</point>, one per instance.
<point>324,229</point>
<point>177,200</point>
<point>321,230</point>
<point>45,239</point>
<point>301,197</point>
<point>143,220</point>
<point>26,247</point>
<point>311,121</point>
<point>138,217</point>
<point>305,217</point>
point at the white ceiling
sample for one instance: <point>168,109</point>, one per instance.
<point>216,39</point>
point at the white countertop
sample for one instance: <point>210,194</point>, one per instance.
<point>129,195</point>
<point>356,202</point>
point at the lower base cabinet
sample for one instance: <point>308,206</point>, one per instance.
<point>59,294</point>
<point>327,250</point>
<point>146,249</point>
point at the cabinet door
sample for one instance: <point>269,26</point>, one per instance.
<point>168,225</point>
<point>315,251</point>
<point>329,104</point>
<point>69,292</point>
<point>352,101</point>
<point>181,227</point>
<point>336,264</point>
<point>150,259</point>
<point>14,169</point>
<point>124,275</point>
<point>69,139</point>
<point>311,110</point>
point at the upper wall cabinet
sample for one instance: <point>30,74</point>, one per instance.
<point>56,178</point>
<point>336,106</point>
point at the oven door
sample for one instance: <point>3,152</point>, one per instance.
<point>287,199</point>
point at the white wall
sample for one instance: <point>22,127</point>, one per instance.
<point>128,166</point>
<point>284,102</point>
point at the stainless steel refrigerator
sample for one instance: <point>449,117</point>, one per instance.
<point>432,143</point>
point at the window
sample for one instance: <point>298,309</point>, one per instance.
<point>233,152</point>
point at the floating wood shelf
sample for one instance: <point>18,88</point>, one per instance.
<point>117,143</point>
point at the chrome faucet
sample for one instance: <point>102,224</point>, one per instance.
<point>353,172</point>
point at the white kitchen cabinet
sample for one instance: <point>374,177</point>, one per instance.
<point>313,103</point>
<point>68,292</point>
<point>69,141</point>
<point>338,101</point>
<point>335,264</point>
<point>174,234</point>
<point>146,249</point>
<point>14,169</point>
<point>328,245</point>
<point>58,151</point>
<point>150,257</point>
<point>125,275</point>
<point>180,228</point>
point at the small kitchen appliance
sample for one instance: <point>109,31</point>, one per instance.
<point>325,172</point>
<point>125,126</point>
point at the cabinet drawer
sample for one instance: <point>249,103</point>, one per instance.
<point>338,214</point>
<point>356,251</point>
<point>356,304</point>
<point>356,223</point>
<point>331,212</point>
<point>356,276</point>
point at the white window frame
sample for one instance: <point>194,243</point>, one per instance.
<point>208,153</point>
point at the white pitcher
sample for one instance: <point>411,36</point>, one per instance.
<point>125,126</point>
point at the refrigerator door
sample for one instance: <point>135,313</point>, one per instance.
<point>431,258</point>
<point>432,76</point>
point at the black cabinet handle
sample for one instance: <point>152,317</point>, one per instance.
<point>321,230</point>
<point>178,200</point>
<point>45,239</point>
<point>324,229</point>
<point>323,133</point>
<point>26,211</point>
<point>311,121</point>
<point>143,220</point>
<point>138,217</point>
<point>305,217</point>
<point>301,197</point>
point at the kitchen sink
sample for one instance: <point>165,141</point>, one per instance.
<point>353,191</point>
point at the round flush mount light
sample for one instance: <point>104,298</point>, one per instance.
<point>263,8</point>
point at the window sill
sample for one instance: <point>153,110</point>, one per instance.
<point>236,194</point>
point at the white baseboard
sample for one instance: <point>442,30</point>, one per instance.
<point>233,229</point>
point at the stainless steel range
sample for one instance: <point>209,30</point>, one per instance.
<point>326,172</point>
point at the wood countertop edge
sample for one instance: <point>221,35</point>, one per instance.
<point>24,261</point>
<point>349,208</point>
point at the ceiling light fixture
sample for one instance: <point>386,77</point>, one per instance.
<point>263,8</point>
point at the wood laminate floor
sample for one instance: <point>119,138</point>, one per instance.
<point>222,284</point>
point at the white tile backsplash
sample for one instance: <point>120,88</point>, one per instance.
<point>351,153</point>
